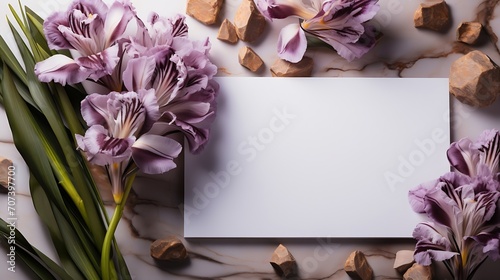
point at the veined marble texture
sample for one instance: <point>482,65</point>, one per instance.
<point>153,210</point>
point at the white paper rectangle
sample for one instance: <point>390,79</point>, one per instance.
<point>317,157</point>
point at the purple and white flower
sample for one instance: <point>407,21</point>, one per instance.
<point>92,29</point>
<point>339,23</point>
<point>159,82</point>
<point>467,157</point>
<point>180,72</point>
<point>465,225</point>
<point>119,125</point>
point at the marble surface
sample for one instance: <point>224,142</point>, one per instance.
<point>153,211</point>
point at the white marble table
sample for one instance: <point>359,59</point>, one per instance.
<point>153,211</point>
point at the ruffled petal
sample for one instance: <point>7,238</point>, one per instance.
<point>55,38</point>
<point>443,205</point>
<point>154,154</point>
<point>102,64</point>
<point>95,110</point>
<point>431,244</point>
<point>416,196</point>
<point>61,69</point>
<point>101,149</point>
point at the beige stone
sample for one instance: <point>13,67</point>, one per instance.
<point>357,267</point>
<point>250,59</point>
<point>205,11</point>
<point>249,22</point>
<point>4,174</point>
<point>404,260</point>
<point>418,272</point>
<point>283,68</point>
<point>469,32</point>
<point>227,32</point>
<point>475,79</point>
<point>283,262</point>
<point>433,16</point>
<point>169,249</point>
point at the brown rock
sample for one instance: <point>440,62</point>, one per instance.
<point>283,68</point>
<point>433,16</point>
<point>404,260</point>
<point>227,32</point>
<point>418,272</point>
<point>249,59</point>
<point>283,262</point>
<point>357,267</point>
<point>169,249</point>
<point>206,11</point>
<point>469,32</point>
<point>4,174</point>
<point>249,22</point>
<point>475,79</point>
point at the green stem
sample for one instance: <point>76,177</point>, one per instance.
<point>108,239</point>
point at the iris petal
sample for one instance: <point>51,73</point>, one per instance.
<point>61,69</point>
<point>462,157</point>
<point>55,39</point>
<point>292,43</point>
<point>117,19</point>
<point>102,149</point>
<point>431,244</point>
<point>94,109</point>
<point>138,73</point>
<point>64,70</point>
<point>154,154</point>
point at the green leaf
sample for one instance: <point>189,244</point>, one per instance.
<point>21,87</point>
<point>43,98</point>
<point>44,210</point>
<point>23,24</point>
<point>10,59</point>
<point>36,28</point>
<point>27,139</point>
<point>80,184</point>
<point>76,248</point>
<point>31,143</point>
<point>41,265</point>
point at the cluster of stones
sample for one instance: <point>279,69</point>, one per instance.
<point>356,265</point>
<point>247,26</point>
<point>474,78</point>
<point>171,250</point>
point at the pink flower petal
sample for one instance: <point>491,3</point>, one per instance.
<point>292,43</point>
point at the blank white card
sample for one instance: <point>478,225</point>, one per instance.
<point>317,157</point>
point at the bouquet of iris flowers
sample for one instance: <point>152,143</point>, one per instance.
<point>463,208</point>
<point>99,93</point>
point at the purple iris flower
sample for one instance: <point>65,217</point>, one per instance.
<point>465,225</point>
<point>339,23</point>
<point>92,29</point>
<point>180,72</point>
<point>118,130</point>
<point>467,156</point>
